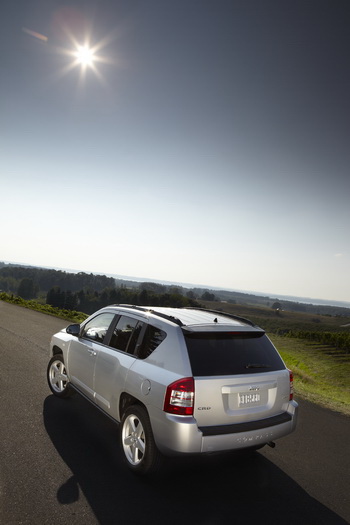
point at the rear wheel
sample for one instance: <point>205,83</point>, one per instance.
<point>57,377</point>
<point>139,449</point>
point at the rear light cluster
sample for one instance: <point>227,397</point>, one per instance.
<point>179,397</point>
<point>291,386</point>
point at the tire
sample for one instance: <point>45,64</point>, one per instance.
<point>57,377</point>
<point>137,442</point>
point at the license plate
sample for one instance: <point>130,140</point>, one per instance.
<point>248,399</point>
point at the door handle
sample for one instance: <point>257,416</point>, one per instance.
<point>92,352</point>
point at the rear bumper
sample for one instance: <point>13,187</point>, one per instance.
<point>181,435</point>
<point>238,428</point>
<point>260,433</point>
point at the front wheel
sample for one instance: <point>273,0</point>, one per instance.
<point>139,449</point>
<point>57,377</point>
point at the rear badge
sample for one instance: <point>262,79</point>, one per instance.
<point>204,408</point>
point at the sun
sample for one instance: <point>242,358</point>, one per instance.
<point>85,55</point>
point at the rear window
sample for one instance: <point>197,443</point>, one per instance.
<point>217,354</point>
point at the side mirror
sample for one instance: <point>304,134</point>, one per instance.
<point>73,329</point>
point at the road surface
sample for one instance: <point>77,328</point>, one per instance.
<point>60,462</point>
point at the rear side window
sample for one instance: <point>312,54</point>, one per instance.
<point>152,338</point>
<point>125,334</point>
<point>216,354</point>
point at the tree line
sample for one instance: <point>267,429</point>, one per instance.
<point>88,292</point>
<point>90,301</point>
<point>28,282</point>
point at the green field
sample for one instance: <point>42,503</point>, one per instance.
<point>321,372</point>
<point>284,321</point>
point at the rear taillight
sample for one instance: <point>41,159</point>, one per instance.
<point>291,387</point>
<point>179,397</point>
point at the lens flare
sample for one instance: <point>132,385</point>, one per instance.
<point>85,55</point>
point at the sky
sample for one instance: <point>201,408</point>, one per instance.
<point>205,141</point>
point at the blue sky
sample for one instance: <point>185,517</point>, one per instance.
<point>208,142</point>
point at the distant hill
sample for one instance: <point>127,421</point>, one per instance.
<point>297,304</point>
<point>290,303</point>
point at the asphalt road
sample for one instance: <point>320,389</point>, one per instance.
<point>60,463</point>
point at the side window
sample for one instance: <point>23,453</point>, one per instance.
<point>97,328</point>
<point>125,334</point>
<point>152,338</point>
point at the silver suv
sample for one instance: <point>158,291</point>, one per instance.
<point>179,381</point>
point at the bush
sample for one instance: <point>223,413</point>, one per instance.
<point>69,315</point>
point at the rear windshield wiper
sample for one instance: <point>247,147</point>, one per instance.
<point>257,365</point>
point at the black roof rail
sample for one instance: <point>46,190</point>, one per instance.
<point>154,312</point>
<point>224,314</point>
<point>180,323</point>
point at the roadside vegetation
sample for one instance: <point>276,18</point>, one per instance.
<point>321,372</point>
<point>70,315</point>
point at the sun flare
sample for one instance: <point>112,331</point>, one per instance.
<point>85,55</point>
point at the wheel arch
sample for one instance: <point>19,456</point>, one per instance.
<point>56,350</point>
<point>126,401</point>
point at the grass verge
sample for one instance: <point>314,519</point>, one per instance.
<point>69,315</point>
<point>321,373</point>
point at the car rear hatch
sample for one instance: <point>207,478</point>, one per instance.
<point>239,377</point>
